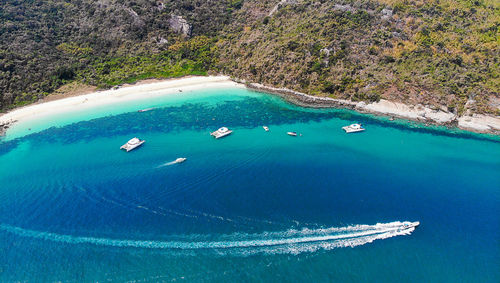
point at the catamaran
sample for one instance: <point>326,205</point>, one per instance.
<point>222,132</point>
<point>353,128</point>
<point>132,144</point>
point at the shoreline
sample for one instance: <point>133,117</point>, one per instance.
<point>130,92</point>
<point>477,123</point>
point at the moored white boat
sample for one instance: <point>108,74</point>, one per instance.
<point>293,134</point>
<point>146,110</point>
<point>353,128</point>
<point>266,128</point>
<point>132,144</point>
<point>222,132</point>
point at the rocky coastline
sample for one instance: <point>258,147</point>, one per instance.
<point>478,123</point>
<point>4,126</point>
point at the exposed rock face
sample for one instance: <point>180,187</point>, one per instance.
<point>418,113</point>
<point>476,123</point>
<point>344,8</point>
<point>480,123</point>
<point>180,25</point>
<point>386,14</point>
<point>5,125</point>
<point>161,41</point>
<point>325,54</point>
<point>280,4</point>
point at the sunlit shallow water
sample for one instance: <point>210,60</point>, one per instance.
<point>253,206</point>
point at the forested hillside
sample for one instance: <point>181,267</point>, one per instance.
<point>44,44</point>
<point>442,53</point>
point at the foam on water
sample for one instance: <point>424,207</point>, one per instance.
<point>289,241</point>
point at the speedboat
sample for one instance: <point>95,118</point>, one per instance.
<point>353,128</point>
<point>293,134</point>
<point>180,160</point>
<point>132,144</point>
<point>266,128</point>
<point>146,110</point>
<point>222,132</point>
<point>408,224</point>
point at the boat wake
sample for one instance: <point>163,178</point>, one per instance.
<point>290,241</point>
<point>178,160</point>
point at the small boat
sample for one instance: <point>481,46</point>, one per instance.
<point>222,132</point>
<point>391,119</point>
<point>409,225</point>
<point>353,128</point>
<point>180,160</point>
<point>293,134</point>
<point>146,110</point>
<point>266,128</point>
<point>132,144</point>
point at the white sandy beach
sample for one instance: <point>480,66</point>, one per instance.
<point>128,93</point>
<point>109,97</point>
<point>145,91</point>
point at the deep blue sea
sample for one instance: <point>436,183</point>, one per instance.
<point>255,206</point>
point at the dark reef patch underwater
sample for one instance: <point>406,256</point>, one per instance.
<point>247,113</point>
<point>253,206</point>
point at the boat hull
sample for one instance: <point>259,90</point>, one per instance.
<point>219,135</point>
<point>349,130</point>
<point>128,147</point>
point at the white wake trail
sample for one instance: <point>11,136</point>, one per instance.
<point>167,164</point>
<point>177,161</point>
<point>290,241</point>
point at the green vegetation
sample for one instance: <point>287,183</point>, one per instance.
<point>46,44</point>
<point>442,53</point>
<point>189,57</point>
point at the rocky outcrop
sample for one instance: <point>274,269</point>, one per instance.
<point>180,25</point>
<point>480,123</point>
<point>475,123</point>
<point>418,112</point>
<point>386,14</point>
<point>5,125</point>
<point>281,4</point>
<point>301,99</point>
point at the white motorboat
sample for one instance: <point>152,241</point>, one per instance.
<point>408,224</point>
<point>266,128</point>
<point>293,134</point>
<point>132,144</point>
<point>222,132</point>
<point>180,160</point>
<point>146,110</point>
<point>353,128</point>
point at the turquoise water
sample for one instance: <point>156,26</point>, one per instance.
<point>254,206</point>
